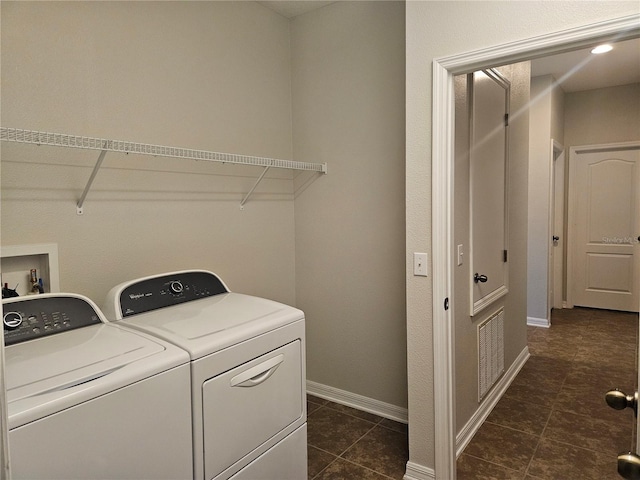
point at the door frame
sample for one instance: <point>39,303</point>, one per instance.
<point>555,275</point>
<point>442,155</point>
<point>573,153</point>
<point>5,472</point>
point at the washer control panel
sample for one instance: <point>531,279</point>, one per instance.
<point>27,318</point>
<point>165,291</point>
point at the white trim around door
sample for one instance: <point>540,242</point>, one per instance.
<point>443,131</point>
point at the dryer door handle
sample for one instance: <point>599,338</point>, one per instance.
<point>258,374</point>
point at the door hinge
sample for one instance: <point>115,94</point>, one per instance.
<point>504,256</point>
<point>506,119</point>
<point>446,303</point>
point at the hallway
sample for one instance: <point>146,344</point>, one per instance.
<point>553,422</point>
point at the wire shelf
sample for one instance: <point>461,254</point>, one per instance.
<point>92,143</point>
<point>104,145</point>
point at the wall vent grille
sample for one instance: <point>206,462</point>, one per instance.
<point>490,352</point>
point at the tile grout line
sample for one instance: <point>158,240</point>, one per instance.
<point>553,407</point>
<point>489,461</point>
<point>340,456</point>
<point>535,450</point>
<point>366,468</point>
<point>353,444</point>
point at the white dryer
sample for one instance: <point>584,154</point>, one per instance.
<point>89,400</point>
<point>247,370</point>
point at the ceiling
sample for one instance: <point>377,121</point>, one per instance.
<point>576,71</point>
<point>581,70</point>
<point>292,9</point>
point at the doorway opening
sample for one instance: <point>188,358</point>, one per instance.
<point>442,201</point>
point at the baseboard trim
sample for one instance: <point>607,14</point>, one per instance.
<point>416,471</point>
<point>538,322</point>
<point>359,402</point>
<point>468,431</point>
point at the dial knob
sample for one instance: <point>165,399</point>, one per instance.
<point>176,287</point>
<point>12,320</point>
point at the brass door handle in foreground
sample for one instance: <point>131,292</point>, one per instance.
<point>619,400</point>
<point>628,463</point>
<point>629,466</point>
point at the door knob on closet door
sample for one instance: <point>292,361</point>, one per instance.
<point>479,278</point>
<point>555,238</point>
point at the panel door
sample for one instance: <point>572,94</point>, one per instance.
<point>605,186</point>
<point>488,163</point>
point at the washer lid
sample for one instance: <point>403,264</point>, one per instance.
<point>213,323</point>
<point>49,374</point>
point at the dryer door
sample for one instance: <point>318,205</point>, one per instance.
<point>246,406</point>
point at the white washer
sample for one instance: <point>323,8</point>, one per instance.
<point>89,400</point>
<point>247,370</point>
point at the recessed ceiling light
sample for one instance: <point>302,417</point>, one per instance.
<point>602,49</point>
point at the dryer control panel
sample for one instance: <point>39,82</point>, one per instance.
<point>167,290</point>
<point>27,318</point>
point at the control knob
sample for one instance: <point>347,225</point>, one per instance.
<point>12,320</point>
<point>176,287</point>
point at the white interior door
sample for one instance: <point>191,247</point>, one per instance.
<point>488,174</point>
<point>604,210</point>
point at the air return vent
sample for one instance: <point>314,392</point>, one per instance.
<point>490,352</point>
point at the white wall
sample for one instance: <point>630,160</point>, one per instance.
<point>205,75</point>
<point>348,110</point>
<point>434,30</point>
<point>546,125</point>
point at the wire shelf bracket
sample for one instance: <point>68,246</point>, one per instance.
<point>246,197</point>
<point>79,205</point>
<point>104,145</point>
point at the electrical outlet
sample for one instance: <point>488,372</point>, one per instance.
<point>420,264</point>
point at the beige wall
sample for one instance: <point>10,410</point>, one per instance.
<point>514,303</point>
<point>605,115</point>
<point>348,110</point>
<point>205,75</point>
<point>223,76</point>
<point>434,30</point>
<point>557,114</point>
<point>547,124</point>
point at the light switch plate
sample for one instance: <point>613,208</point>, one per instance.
<point>460,255</point>
<point>420,264</point>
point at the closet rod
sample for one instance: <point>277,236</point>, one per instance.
<point>91,143</point>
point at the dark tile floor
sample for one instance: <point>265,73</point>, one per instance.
<point>349,444</point>
<point>553,423</point>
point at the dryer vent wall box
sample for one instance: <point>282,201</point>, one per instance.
<point>83,394</point>
<point>247,370</point>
